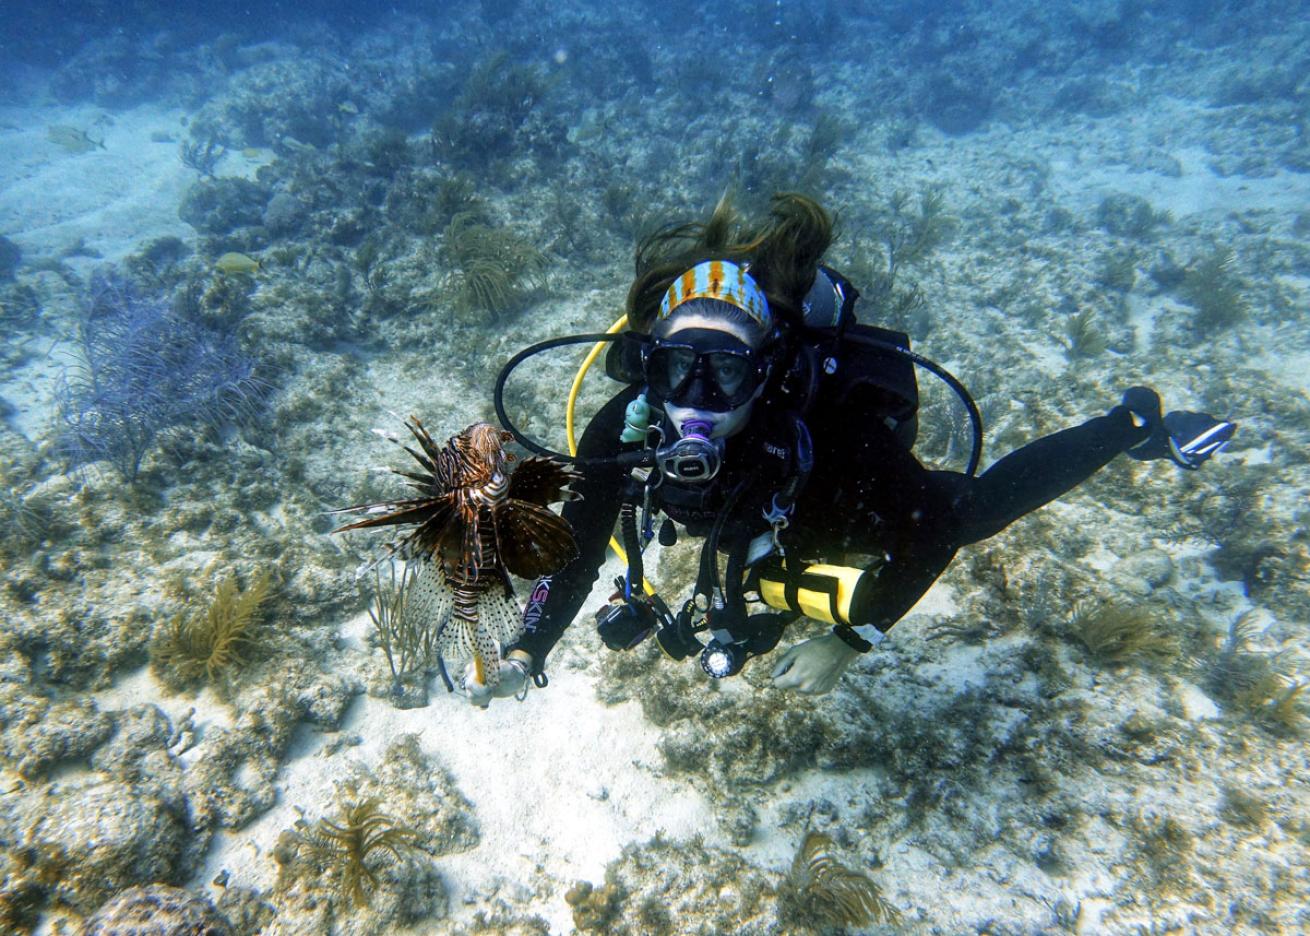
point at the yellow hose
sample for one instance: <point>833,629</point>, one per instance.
<point>568,419</point>
<point>589,360</point>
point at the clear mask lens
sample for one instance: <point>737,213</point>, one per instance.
<point>706,377</point>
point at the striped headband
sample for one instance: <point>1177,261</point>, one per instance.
<point>722,280</point>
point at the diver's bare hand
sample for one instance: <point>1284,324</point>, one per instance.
<point>812,667</point>
<point>513,680</point>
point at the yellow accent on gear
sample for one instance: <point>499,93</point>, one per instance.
<point>589,360</point>
<point>815,604</point>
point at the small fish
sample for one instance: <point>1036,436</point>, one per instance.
<point>348,107</point>
<point>474,524</point>
<point>237,263</point>
<point>252,152</point>
<point>72,139</point>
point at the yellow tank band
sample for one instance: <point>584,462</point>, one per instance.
<point>823,592</point>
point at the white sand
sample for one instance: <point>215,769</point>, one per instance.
<point>114,200</point>
<point>559,779</point>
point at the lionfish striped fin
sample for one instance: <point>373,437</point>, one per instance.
<point>500,616</point>
<point>433,519</point>
<point>542,481</point>
<point>532,540</point>
<point>429,600</point>
<point>479,623</point>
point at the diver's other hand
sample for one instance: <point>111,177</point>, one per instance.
<point>513,680</point>
<point>813,666</point>
<point>1187,439</point>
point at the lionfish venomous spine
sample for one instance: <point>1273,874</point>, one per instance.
<point>475,523</point>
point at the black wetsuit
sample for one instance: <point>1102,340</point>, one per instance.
<point>867,494</point>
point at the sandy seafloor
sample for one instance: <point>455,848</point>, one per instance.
<point>986,769</point>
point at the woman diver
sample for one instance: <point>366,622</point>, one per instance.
<point>780,430</point>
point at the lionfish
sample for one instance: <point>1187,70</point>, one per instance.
<point>475,524</point>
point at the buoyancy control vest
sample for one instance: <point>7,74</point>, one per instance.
<point>856,360</point>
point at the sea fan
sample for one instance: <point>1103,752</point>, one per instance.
<point>145,369</point>
<point>825,893</point>
<point>353,848</point>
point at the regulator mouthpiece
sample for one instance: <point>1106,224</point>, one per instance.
<point>694,458</point>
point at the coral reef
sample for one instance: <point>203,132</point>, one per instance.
<point>1257,682</point>
<point>1118,633</point>
<point>492,116</point>
<point>218,207</point>
<point>157,910</point>
<point>1129,216</point>
<point>1082,339</point>
<point>954,106</point>
<point>146,370</point>
<point>202,156</point>
<point>407,642</point>
<point>1210,287</point>
<point>99,836</point>
<point>208,641</point>
<point>903,232</point>
<point>44,733</point>
<point>349,850</point>
<point>740,743</point>
<point>823,893</point>
<point>373,866</point>
<point>494,270</point>
<point>661,887</point>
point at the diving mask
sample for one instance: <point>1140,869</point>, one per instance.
<point>704,368</point>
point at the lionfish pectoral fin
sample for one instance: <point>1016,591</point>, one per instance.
<point>532,540</point>
<point>430,599</point>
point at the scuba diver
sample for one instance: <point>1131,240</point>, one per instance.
<point>762,416</point>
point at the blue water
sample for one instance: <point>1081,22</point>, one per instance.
<point>289,197</point>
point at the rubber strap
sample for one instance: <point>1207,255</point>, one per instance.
<point>852,639</point>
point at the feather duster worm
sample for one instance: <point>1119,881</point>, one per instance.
<point>473,524</point>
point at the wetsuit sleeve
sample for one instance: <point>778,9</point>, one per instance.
<point>950,510</point>
<point>1040,472</point>
<point>555,600</point>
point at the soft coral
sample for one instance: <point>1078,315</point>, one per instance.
<point>145,369</point>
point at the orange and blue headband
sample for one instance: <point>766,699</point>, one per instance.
<point>722,280</point>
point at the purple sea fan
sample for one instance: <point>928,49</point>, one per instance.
<point>146,369</point>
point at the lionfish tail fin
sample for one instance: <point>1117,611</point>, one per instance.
<point>478,630</point>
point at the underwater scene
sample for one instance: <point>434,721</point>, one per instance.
<point>285,543</point>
